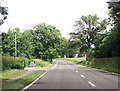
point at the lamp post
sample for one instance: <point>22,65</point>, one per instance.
<point>15,44</point>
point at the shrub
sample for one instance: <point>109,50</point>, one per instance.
<point>42,63</point>
<point>13,63</point>
<point>110,64</point>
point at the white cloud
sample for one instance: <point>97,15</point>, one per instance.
<point>61,13</point>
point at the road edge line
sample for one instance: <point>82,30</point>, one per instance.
<point>26,87</point>
<point>105,71</point>
<point>101,70</point>
<point>55,65</point>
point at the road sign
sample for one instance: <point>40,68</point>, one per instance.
<point>32,63</point>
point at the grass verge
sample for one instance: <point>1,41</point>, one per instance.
<point>39,63</point>
<point>12,73</point>
<point>12,86</point>
<point>74,60</point>
<point>52,64</point>
<point>107,64</point>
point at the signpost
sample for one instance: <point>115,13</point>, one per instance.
<point>32,63</point>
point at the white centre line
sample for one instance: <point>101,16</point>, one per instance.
<point>91,84</point>
<point>82,76</point>
<point>76,71</point>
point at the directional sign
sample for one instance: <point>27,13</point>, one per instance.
<point>32,63</point>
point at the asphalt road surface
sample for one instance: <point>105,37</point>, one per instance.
<point>67,75</point>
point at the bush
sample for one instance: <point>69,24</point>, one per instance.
<point>42,63</point>
<point>110,64</point>
<point>90,53</point>
<point>13,63</point>
<point>25,61</point>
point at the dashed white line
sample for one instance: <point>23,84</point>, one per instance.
<point>93,85</point>
<point>76,71</point>
<point>82,76</point>
<point>73,69</point>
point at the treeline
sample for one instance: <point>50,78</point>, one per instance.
<point>95,37</point>
<point>98,38</point>
<point>43,41</point>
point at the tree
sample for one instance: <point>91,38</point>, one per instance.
<point>107,45</point>
<point>114,11</point>
<point>8,42</point>
<point>87,29</point>
<point>24,40</point>
<point>4,13</point>
<point>47,41</point>
<point>25,44</point>
<point>63,47</point>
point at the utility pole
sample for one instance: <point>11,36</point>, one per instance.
<point>15,45</point>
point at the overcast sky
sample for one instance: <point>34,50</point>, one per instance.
<point>25,14</point>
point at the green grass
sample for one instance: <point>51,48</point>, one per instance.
<point>37,59</point>
<point>74,60</point>
<point>108,64</point>
<point>52,64</point>
<point>22,81</point>
<point>12,73</point>
<point>40,63</point>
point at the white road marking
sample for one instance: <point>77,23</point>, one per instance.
<point>76,71</point>
<point>73,69</point>
<point>82,76</point>
<point>55,65</point>
<point>32,82</point>
<point>93,85</point>
<point>36,79</point>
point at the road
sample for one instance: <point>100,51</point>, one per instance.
<point>67,75</point>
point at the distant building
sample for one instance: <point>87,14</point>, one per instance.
<point>64,56</point>
<point>76,55</point>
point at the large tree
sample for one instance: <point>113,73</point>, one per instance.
<point>107,45</point>
<point>87,27</point>
<point>24,43</point>
<point>47,41</point>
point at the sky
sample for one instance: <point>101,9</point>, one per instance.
<point>62,14</point>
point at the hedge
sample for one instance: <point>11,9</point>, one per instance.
<point>13,63</point>
<point>110,64</point>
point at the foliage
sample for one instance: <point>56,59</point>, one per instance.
<point>63,47</point>
<point>87,29</point>
<point>47,41</point>
<point>13,63</point>
<point>108,64</point>
<point>17,84</point>
<point>114,11</point>
<point>55,62</point>
<point>42,63</point>
<point>44,41</point>
<point>107,45</point>
<point>72,49</point>
<point>4,13</point>
<point>24,43</point>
